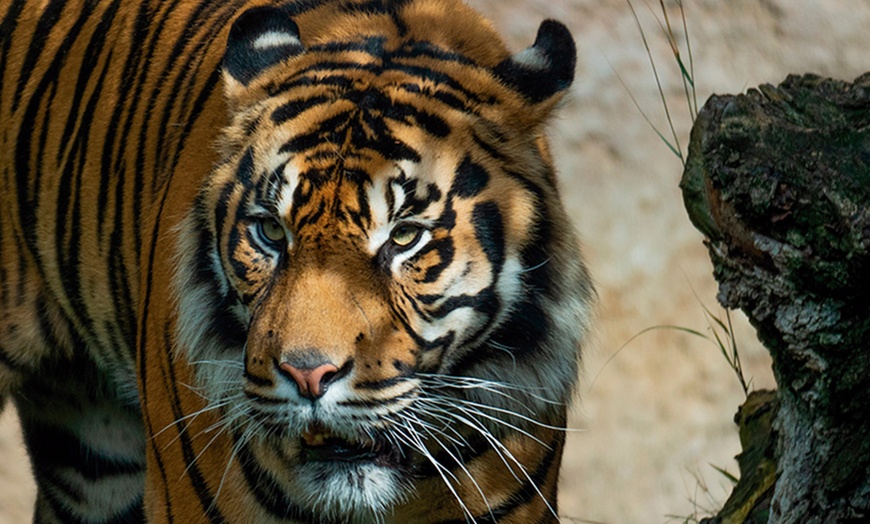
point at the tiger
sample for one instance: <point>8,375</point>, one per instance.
<point>286,261</point>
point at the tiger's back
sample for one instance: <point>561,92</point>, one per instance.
<point>152,155</point>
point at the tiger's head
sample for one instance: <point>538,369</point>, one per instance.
<point>380,269</point>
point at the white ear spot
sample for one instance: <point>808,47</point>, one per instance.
<point>532,58</point>
<point>272,39</point>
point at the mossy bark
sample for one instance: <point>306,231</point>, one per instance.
<point>778,180</point>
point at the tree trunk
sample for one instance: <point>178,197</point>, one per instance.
<point>779,182</point>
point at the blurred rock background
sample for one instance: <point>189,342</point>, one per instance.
<point>654,419</point>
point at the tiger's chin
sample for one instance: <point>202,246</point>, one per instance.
<point>358,492</point>
<point>342,480</point>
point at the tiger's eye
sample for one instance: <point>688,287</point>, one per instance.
<point>272,230</point>
<point>405,235</point>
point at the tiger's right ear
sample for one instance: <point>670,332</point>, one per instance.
<point>259,39</point>
<point>546,68</point>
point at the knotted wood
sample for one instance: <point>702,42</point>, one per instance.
<point>778,180</point>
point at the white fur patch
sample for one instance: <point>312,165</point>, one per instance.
<point>380,210</point>
<point>288,186</point>
<point>532,58</point>
<point>349,492</point>
<point>271,39</point>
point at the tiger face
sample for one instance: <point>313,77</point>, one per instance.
<point>379,273</point>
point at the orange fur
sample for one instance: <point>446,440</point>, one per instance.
<point>133,173</point>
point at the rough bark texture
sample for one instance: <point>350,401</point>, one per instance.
<point>779,182</point>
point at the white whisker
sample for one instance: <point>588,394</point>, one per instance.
<point>413,439</point>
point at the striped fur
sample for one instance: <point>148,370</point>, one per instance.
<point>203,201</point>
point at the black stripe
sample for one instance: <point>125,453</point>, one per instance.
<point>260,399</point>
<point>44,27</point>
<point>524,494</point>
<point>490,149</point>
<point>440,78</point>
<point>469,180</point>
<point>540,194</point>
<point>239,267</point>
<point>537,269</point>
<point>134,515</point>
<point>518,337</point>
<point>425,74</point>
<point>294,108</point>
<point>196,478</point>
<point>192,470</point>
<point>28,199</point>
<point>115,170</point>
<point>486,302</point>
<point>258,381</point>
<point>201,489</point>
<point>339,81</point>
<point>440,95</point>
<point>4,275</point>
<point>122,296</point>
<point>169,81</point>
<point>10,362</point>
<point>132,89</point>
<point>417,48</point>
<point>156,450</point>
<point>71,265</point>
<point>373,45</point>
<point>90,58</point>
<point>245,169</point>
<point>269,494</point>
<point>323,131</point>
<point>377,385</point>
<point>340,67</point>
<point>221,209</point>
<point>489,231</point>
<point>67,233</point>
<point>416,117</point>
<point>390,8</point>
<point>23,269</point>
<point>475,445</point>
<point>446,251</point>
<point>47,325</point>
<point>380,402</point>
<point>193,101</point>
<point>7,28</point>
<point>59,510</point>
<point>311,217</point>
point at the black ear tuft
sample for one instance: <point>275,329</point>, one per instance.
<point>547,67</point>
<point>260,38</point>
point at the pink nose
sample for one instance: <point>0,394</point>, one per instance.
<point>312,382</point>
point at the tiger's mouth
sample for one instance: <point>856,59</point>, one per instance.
<point>319,444</point>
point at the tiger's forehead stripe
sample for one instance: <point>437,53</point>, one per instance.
<point>422,63</point>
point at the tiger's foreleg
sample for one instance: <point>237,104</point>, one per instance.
<point>85,442</point>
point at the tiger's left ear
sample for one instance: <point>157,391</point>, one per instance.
<point>260,38</point>
<point>546,68</point>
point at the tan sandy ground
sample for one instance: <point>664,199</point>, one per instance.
<point>658,417</point>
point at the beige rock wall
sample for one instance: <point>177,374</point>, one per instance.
<point>655,416</point>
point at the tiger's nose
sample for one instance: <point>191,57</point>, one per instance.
<point>312,380</point>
